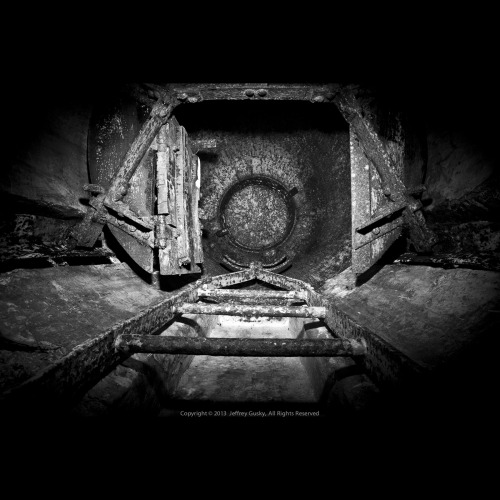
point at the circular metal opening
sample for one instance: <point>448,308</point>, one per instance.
<point>258,213</point>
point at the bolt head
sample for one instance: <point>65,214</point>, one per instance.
<point>192,99</point>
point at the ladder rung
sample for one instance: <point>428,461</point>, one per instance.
<point>250,310</point>
<point>252,294</point>
<point>274,347</point>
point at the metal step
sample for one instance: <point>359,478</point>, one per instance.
<point>246,310</point>
<point>251,294</point>
<point>239,346</point>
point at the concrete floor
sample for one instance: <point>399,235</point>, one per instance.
<point>247,379</point>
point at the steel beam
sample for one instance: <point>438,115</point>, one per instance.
<point>239,346</point>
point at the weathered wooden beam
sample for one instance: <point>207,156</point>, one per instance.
<point>238,346</point>
<point>252,294</point>
<point>246,310</point>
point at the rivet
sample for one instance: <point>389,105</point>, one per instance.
<point>376,230</point>
<point>182,97</point>
<point>249,92</point>
<point>192,99</point>
<point>262,92</point>
<point>319,98</point>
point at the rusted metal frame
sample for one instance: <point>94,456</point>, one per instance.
<point>251,310</point>
<point>235,278</point>
<point>63,383</point>
<point>422,237</point>
<point>119,184</point>
<point>313,298</point>
<point>142,237</point>
<point>388,367</point>
<point>168,252</point>
<point>450,261</point>
<point>252,294</point>
<point>181,257</point>
<point>218,91</point>
<point>281,281</point>
<point>122,210</point>
<point>186,198</point>
<point>378,232</point>
<point>191,202</point>
<point>162,171</point>
<point>239,346</point>
<point>381,213</point>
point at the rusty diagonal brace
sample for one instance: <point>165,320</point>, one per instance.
<point>160,113</point>
<point>393,188</point>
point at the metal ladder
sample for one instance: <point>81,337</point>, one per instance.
<point>245,302</point>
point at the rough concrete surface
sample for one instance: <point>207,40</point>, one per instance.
<point>44,313</point>
<point>247,379</point>
<point>430,314</point>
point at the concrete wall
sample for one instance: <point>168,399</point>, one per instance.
<point>46,161</point>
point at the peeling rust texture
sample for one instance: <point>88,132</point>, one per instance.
<point>387,367</point>
<point>119,184</point>
<point>388,163</point>
<point>252,294</point>
<point>239,347</point>
<point>257,213</point>
<point>301,146</point>
<point>218,91</point>
<point>451,261</point>
<point>88,230</point>
<point>245,310</point>
<point>62,384</point>
<point>179,195</point>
